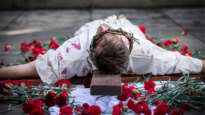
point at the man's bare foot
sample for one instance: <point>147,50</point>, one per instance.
<point>121,16</point>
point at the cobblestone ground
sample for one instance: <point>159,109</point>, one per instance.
<point>18,26</point>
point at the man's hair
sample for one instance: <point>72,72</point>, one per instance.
<point>112,56</point>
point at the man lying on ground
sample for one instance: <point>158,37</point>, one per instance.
<point>111,46</point>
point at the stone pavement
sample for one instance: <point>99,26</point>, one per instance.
<point>19,26</point>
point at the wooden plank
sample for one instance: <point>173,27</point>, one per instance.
<point>126,78</point>
<point>106,85</point>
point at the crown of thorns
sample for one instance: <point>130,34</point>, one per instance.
<point>129,36</point>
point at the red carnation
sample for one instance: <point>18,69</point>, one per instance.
<point>64,92</point>
<point>130,104</point>
<point>177,112</point>
<point>32,104</point>
<point>134,92</point>
<point>125,93</point>
<point>43,51</point>
<point>66,110</point>
<point>53,44</point>
<point>26,82</point>
<point>6,47</point>
<point>142,28</point>
<point>85,106</point>
<point>157,102</point>
<point>123,97</point>
<point>24,47</point>
<point>188,53</point>
<point>39,44</point>
<point>87,82</point>
<point>184,32</point>
<point>138,108</point>
<point>168,43</point>
<point>85,109</point>
<point>175,40</point>
<point>116,110</point>
<point>151,91</point>
<point>31,46</point>
<point>160,44</point>
<point>78,109</point>
<point>148,38</point>
<point>63,81</point>
<point>162,109</point>
<point>37,111</point>
<point>34,42</point>
<point>36,52</point>
<point>61,100</point>
<point>145,109</point>
<point>184,48</point>
<point>149,84</point>
<point>94,110</point>
<point>50,99</point>
<point>121,104</point>
<point>5,82</point>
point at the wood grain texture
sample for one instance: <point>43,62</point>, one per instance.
<point>126,78</point>
<point>106,85</point>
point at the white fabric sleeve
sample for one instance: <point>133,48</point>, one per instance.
<point>45,67</point>
<point>147,57</point>
<point>163,62</point>
<point>65,62</point>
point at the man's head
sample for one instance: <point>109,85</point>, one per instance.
<point>110,54</point>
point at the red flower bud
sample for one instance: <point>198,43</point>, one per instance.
<point>168,43</point>
<point>142,28</point>
<point>148,38</point>
<point>66,110</point>
<point>175,40</point>
<point>116,110</point>
<point>94,110</point>
<point>184,32</point>
<point>160,44</point>
<point>24,47</point>
<point>39,44</point>
<point>6,47</point>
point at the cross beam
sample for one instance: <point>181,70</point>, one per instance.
<point>102,84</point>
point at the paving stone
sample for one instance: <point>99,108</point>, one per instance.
<point>157,23</point>
<point>68,3</point>
<point>46,24</point>
<point>191,19</point>
<point>43,35</point>
<point>122,3</point>
<point>8,17</point>
<point>15,41</point>
<point>46,20</point>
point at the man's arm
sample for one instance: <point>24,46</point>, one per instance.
<point>19,71</point>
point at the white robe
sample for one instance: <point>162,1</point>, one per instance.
<point>72,58</point>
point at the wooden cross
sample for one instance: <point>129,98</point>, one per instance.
<point>102,84</point>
